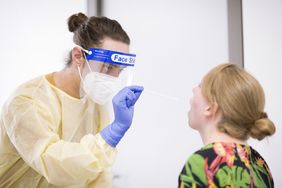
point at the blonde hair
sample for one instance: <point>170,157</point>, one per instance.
<point>241,99</point>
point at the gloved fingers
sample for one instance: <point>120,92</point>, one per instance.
<point>130,99</point>
<point>121,95</point>
<point>128,96</point>
<point>137,95</point>
<point>137,90</point>
<point>123,98</point>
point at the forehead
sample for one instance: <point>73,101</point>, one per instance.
<point>114,45</point>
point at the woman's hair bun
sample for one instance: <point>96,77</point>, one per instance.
<point>263,127</point>
<point>76,20</point>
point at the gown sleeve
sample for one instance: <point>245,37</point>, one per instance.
<point>30,127</point>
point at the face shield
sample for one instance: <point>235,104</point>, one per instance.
<point>112,63</point>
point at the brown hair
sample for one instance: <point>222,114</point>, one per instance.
<point>241,99</point>
<point>89,32</point>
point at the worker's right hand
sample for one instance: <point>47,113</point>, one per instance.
<point>123,104</point>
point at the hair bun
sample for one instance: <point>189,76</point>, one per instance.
<point>76,20</point>
<point>263,127</point>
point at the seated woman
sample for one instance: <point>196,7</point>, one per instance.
<point>227,108</point>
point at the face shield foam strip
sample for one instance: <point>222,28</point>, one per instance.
<point>112,57</point>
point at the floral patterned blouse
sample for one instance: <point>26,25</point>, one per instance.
<point>226,165</point>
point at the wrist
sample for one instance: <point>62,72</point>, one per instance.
<point>113,133</point>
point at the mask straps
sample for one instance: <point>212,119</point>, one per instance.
<point>79,72</point>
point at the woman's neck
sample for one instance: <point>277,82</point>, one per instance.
<point>211,134</point>
<point>68,81</point>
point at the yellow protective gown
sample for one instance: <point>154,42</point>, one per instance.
<point>50,139</point>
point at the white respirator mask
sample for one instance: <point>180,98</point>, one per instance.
<point>106,76</point>
<point>100,87</point>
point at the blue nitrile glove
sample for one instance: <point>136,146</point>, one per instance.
<point>123,104</point>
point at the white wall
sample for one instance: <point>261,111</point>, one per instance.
<point>176,43</point>
<point>34,39</point>
<point>263,57</point>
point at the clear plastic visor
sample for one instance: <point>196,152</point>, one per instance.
<point>111,63</point>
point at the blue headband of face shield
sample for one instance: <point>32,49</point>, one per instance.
<point>112,57</point>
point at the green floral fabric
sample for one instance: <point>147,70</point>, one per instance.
<point>226,165</point>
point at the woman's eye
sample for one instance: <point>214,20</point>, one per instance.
<point>110,67</point>
<point>115,67</point>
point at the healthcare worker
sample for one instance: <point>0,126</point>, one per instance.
<point>227,108</point>
<point>56,129</point>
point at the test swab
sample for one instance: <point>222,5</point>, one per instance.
<point>163,95</point>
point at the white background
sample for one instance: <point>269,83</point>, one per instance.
<point>34,39</point>
<point>176,43</point>
<point>263,58</point>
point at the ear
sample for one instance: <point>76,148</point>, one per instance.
<point>77,56</point>
<point>211,109</point>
